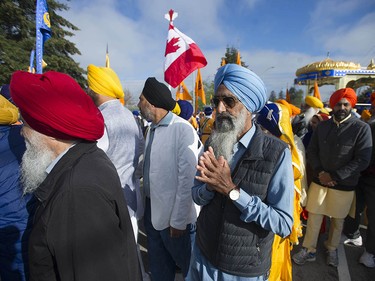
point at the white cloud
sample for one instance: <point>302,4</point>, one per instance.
<point>136,32</point>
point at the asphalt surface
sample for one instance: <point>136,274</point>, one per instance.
<point>348,270</point>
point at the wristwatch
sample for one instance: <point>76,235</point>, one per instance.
<point>234,194</point>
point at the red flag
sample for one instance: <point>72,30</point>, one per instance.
<point>182,55</point>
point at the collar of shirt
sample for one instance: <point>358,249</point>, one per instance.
<point>241,146</point>
<point>163,122</point>
<point>54,162</point>
<point>105,104</point>
<point>342,121</point>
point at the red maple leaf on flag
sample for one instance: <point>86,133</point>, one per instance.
<point>172,46</point>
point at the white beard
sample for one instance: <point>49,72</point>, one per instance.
<point>35,160</point>
<point>309,113</point>
<point>226,132</point>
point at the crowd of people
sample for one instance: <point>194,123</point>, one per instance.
<point>221,193</point>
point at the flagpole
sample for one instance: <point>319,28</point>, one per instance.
<point>195,94</point>
<point>43,32</point>
<point>39,39</point>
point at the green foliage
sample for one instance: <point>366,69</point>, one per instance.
<point>296,96</point>
<point>231,56</point>
<point>281,95</point>
<point>273,96</point>
<point>208,92</point>
<point>17,39</point>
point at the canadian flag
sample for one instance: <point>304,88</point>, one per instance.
<point>182,55</point>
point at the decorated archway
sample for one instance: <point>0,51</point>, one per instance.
<point>341,74</point>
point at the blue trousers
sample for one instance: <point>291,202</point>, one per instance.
<point>165,252</point>
<point>202,270</point>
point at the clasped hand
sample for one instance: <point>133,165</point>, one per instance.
<point>326,179</point>
<point>215,172</point>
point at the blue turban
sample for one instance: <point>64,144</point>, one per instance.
<point>5,92</point>
<point>244,84</point>
<point>269,117</point>
<point>186,109</point>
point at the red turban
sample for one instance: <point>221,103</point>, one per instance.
<point>55,105</point>
<point>372,99</point>
<point>345,93</point>
<point>322,116</point>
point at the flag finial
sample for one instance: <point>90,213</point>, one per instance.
<point>171,15</point>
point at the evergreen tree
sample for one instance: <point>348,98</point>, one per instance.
<point>281,95</point>
<point>17,39</point>
<point>272,96</point>
<point>231,56</point>
<point>208,92</point>
<point>296,96</point>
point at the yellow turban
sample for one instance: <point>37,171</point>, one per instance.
<point>313,102</point>
<point>8,112</point>
<point>177,109</point>
<point>104,81</point>
<point>324,110</point>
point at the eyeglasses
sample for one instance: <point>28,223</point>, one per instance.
<point>228,101</point>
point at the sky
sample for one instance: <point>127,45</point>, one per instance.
<point>275,38</point>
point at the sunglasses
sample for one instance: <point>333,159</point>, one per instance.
<point>228,101</point>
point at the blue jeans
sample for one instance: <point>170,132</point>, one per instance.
<point>202,269</point>
<point>165,252</point>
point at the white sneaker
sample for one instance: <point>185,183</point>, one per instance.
<point>348,241</point>
<point>367,259</point>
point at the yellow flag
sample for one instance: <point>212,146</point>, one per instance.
<point>183,92</point>
<point>223,62</point>
<point>238,60</point>
<point>107,58</point>
<point>199,89</point>
<point>316,90</point>
<point>44,64</point>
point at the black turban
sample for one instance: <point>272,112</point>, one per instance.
<point>158,94</point>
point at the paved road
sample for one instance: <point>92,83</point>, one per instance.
<point>348,270</point>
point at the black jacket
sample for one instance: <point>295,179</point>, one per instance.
<point>230,244</point>
<point>368,175</point>
<point>343,151</point>
<point>82,229</point>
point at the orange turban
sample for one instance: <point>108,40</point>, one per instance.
<point>345,93</point>
<point>54,104</point>
<point>366,115</point>
<point>293,110</point>
<point>287,104</point>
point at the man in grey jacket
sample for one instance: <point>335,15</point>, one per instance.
<point>122,140</point>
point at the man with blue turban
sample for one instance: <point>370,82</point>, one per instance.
<point>243,182</point>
